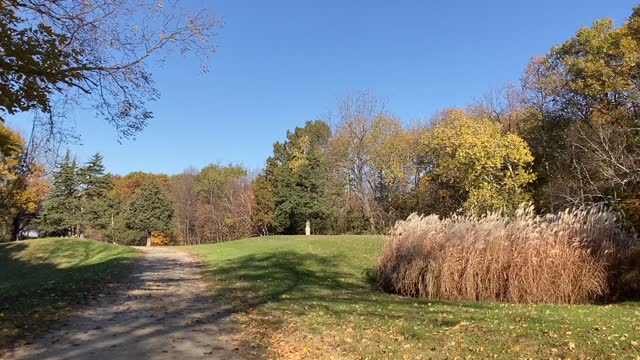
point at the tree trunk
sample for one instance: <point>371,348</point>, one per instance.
<point>360,187</point>
<point>15,226</point>
<point>148,238</point>
<point>307,228</point>
<point>369,214</point>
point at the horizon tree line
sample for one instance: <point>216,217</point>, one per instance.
<point>565,136</point>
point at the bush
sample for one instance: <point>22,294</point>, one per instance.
<point>577,256</point>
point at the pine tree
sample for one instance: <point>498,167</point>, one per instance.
<point>293,189</point>
<point>310,191</point>
<point>95,186</point>
<point>285,200</point>
<point>150,210</point>
<point>61,209</point>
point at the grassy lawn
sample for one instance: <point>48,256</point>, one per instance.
<point>41,280</point>
<point>309,298</point>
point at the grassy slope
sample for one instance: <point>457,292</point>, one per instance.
<point>308,297</point>
<point>41,279</point>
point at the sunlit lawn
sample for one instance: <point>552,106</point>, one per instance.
<point>309,297</point>
<point>41,279</point>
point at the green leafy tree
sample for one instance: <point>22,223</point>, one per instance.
<point>150,210</point>
<point>309,196</point>
<point>123,190</point>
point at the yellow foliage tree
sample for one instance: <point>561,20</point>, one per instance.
<point>494,168</point>
<point>11,148</point>
<point>22,185</point>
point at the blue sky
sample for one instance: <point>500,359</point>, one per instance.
<point>280,63</point>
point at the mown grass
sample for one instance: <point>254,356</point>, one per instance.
<point>310,298</point>
<point>41,280</point>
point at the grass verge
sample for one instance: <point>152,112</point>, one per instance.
<point>42,280</point>
<point>308,297</point>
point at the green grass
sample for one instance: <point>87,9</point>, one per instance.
<point>309,297</point>
<point>41,280</point>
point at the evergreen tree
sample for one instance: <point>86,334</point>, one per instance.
<point>293,188</point>
<point>285,202</point>
<point>95,186</point>
<point>150,210</point>
<point>61,213</point>
<point>309,192</point>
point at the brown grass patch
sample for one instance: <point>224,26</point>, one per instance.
<point>576,256</point>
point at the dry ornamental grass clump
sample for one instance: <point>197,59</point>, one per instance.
<point>576,256</point>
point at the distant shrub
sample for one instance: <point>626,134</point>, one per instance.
<point>159,238</point>
<point>576,256</point>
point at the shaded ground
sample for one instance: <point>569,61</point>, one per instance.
<point>161,311</point>
<point>43,280</point>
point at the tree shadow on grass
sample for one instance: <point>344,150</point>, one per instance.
<point>254,280</point>
<point>35,294</point>
<point>133,322</point>
<point>297,283</point>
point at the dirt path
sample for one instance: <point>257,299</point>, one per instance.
<point>162,311</point>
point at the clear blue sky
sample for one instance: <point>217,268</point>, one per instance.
<point>280,63</point>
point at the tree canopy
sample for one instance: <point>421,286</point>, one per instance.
<point>149,210</point>
<point>292,189</point>
<point>59,53</point>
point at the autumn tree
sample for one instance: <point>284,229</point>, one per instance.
<point>11,147</point>
<point>362,129</point>
<point>32,55</point>
<point>33,187</point>
<point>11,151</point>
<point>185,199</point>
<point>583,103</point>
<point>394,170</point>
<point>491,168</point>
<point>225,203</point>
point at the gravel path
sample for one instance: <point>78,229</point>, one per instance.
<point>163,310</point>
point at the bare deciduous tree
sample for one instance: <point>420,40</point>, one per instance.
<point>185,200</point>
<point>106,46</point>
<point>353,145</point>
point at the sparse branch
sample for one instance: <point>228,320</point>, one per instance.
<point>105,48</point>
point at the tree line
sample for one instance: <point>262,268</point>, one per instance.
<point>565,136</point>
<point>210,205</point>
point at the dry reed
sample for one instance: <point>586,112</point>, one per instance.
<point>576,256</point>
